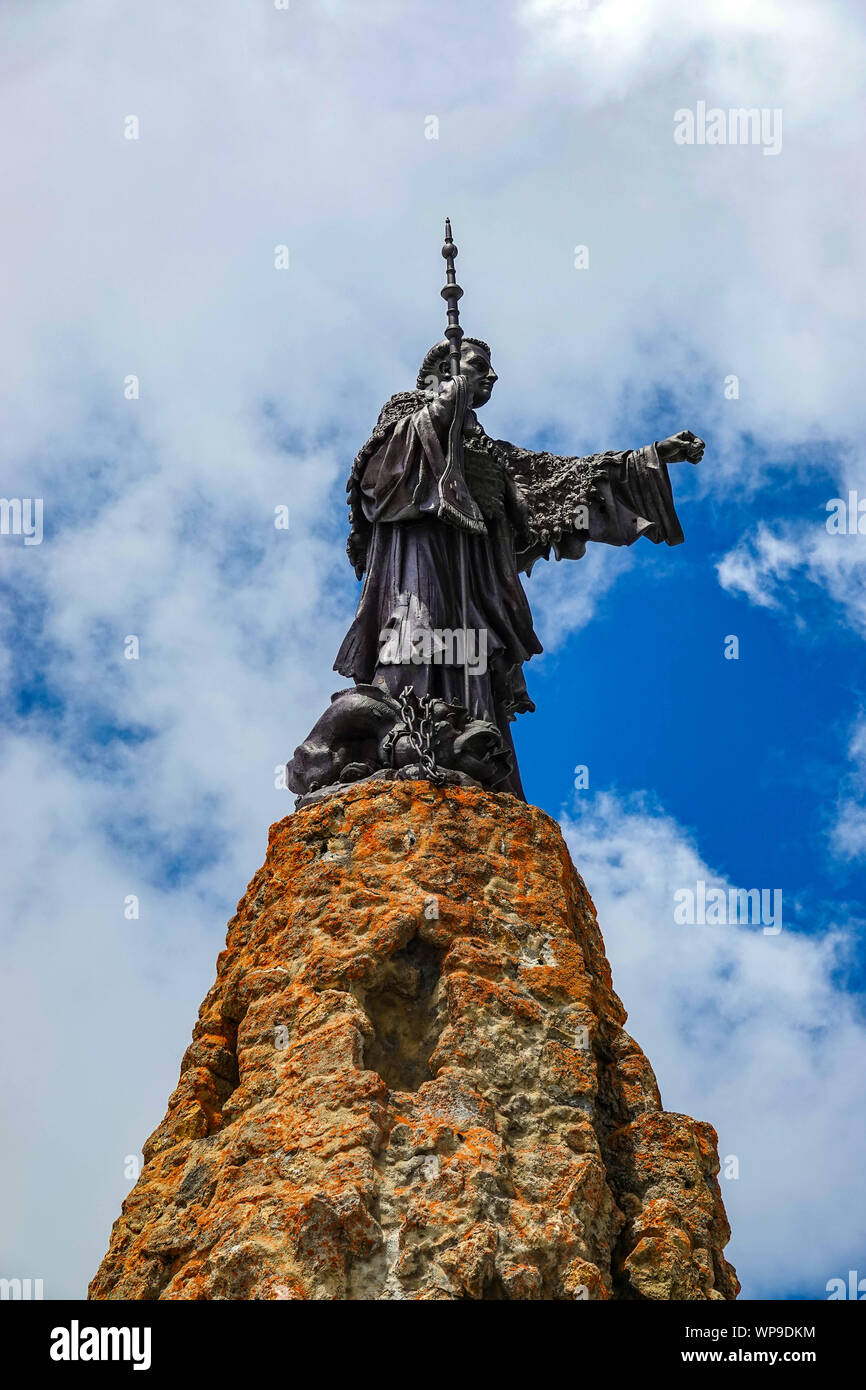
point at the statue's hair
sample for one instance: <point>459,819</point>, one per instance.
<point>437,359</point>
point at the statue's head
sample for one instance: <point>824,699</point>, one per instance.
<point>474,365</point>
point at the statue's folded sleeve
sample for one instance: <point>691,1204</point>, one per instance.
<point>646,489</point>
<point>564,502</point>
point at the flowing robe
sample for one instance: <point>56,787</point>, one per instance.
<point>409,555</point>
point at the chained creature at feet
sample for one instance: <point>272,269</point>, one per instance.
<point>443,521</point>
<point>366,733</point>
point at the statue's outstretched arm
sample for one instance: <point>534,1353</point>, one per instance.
<point>561,502</point>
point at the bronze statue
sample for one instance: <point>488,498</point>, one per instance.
<point>444,520</point>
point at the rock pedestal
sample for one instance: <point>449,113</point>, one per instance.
<point>411,1081</point>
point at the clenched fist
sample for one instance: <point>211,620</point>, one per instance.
<point>684,447</point>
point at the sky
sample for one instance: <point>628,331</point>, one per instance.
<point>166,386</point>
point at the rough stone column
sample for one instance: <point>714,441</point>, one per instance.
<point>411,1081</point>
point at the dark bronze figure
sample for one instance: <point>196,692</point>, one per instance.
<point>444,520</point>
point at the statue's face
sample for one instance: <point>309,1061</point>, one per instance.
<point>476,367</point>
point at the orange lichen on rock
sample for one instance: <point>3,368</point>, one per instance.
<point>411,1081</point>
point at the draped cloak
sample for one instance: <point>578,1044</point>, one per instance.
<point>408,554</point>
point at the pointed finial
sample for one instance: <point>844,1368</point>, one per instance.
<point>449,250</point>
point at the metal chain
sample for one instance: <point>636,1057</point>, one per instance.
<point>421,737</point>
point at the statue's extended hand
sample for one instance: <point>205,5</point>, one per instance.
<point>684,447</point>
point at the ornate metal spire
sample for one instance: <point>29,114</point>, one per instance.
<point>452,294</point>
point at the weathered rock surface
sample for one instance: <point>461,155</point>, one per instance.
<point>411,1081</point>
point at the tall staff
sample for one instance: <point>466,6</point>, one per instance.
<point>455,500</point>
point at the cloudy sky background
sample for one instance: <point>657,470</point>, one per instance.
<point>155,257</point>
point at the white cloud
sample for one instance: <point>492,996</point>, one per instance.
<point>759,566</point>
<point>771,568</point>
<point>564,601</point>
<point>769,563</point>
